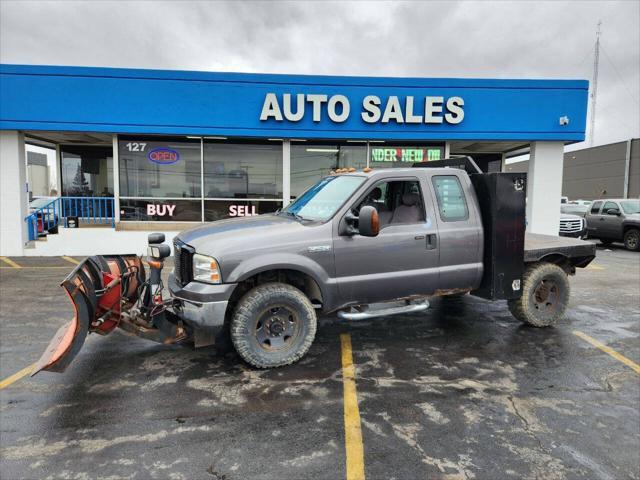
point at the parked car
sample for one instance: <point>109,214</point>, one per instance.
<point>615,220</point>
<point>575,209</point>
<point>47,222</point>
<point>580,202</point>
<point>572,225</point>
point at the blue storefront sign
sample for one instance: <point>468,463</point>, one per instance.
<point>289,106</point>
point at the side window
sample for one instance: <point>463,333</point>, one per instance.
<point>595,208</point>
<point>607,206</point>
<point>397,202</point>
<point>451,201</point>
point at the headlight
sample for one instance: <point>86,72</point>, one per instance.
<point>206,269</point>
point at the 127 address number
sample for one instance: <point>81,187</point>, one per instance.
<point>136,146</point>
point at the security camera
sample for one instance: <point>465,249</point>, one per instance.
<point>564,121</point>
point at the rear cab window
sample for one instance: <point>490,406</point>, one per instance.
<point>452,203</point>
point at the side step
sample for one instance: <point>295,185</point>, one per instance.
<point>383,312</point>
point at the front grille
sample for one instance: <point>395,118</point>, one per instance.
<point>183,266</point>
<point>570,226</point>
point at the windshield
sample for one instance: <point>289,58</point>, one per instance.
<point>322,200</point>
<point>630,206</point>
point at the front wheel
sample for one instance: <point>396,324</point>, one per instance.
<point>273,325</point>
<point>632,239</point>
<point>545,295</point>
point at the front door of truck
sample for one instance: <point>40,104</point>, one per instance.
<point>611,223</point>
<point>403,259</point>
<point>594,219</point>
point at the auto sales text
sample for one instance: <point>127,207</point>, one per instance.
<point>429,110</point>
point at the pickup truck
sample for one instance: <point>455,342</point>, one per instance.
<point>615,220</point>
<point>359,244</point>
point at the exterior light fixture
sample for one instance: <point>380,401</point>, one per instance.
<point>323,150</point>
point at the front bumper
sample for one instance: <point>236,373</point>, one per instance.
<point>577,234</point>
<point>200,304</point>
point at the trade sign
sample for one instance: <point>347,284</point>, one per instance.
<point>405,154</point>
<point>163,156</point>
<point>393,109</point>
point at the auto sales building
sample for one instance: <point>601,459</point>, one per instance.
<point>140,150</point>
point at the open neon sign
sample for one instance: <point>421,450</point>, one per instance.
<point>163,156</point>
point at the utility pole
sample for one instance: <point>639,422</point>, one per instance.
<point>594,83</point>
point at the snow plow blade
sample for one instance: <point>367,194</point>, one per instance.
<point>100,289</point>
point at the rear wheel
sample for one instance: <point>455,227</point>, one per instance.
<point>545,295</point>
<point>273,325</point>
<point>632,239</point>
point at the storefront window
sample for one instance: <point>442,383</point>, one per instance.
<point>242,170</point>
<point>390,156</point>
<point>221,209</point>
<point>159,167</point>
<point>161,210</point>
<point>311,163</point>
<point>86,171</point>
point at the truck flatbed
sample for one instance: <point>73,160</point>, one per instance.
<point>578,252</point>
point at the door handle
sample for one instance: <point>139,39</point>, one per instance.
<point>419,237</point>
<point>602,219</point>
<point>432,241</point>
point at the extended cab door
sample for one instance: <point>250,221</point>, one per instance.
<point>403,259</point>
<point>460,231</point>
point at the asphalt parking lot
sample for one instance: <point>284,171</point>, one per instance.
<point>460,392</point>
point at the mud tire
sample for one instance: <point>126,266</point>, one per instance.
<point>247,320</point>
<point>545,295</point>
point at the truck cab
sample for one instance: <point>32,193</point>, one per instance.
<point>430,239</point>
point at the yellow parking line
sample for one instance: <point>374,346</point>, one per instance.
<point>621,358</point>
<point>69,259</point>
<point>352,428</point>
<point>31,268</point>
<point>17,376</point>
<point>10,262</point>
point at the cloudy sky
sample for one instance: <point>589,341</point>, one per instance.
<point>536,39</point>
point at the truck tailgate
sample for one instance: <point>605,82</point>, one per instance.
<point>537,246</point>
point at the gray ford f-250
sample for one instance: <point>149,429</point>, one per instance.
<point>359,243</point>
<point>365,244</point>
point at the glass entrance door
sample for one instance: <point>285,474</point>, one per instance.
<point>87,171</point>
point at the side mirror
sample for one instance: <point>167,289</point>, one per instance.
<point>613,211</point>
<point>368,222</point>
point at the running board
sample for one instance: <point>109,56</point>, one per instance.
<point>383,312</point>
